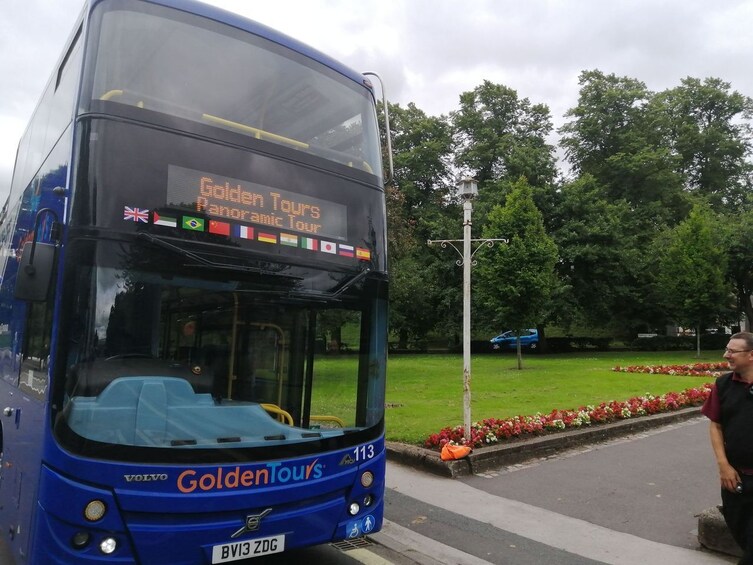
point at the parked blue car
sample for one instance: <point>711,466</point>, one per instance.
<point>508,340</point>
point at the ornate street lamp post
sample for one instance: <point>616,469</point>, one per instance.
<point>468,190</point>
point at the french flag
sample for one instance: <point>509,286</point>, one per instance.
<point>244,232</point>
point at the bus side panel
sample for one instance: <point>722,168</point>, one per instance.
<point>23,431</point>
<point>25,332</point>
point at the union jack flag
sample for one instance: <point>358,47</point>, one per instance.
<point>136,214</point>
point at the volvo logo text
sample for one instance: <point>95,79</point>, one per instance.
<point>145,478</point>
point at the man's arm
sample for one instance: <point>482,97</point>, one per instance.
<point>728,477</point>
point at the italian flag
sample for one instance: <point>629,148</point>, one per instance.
<point>309,243</point>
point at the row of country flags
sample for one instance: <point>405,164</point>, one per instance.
<point>192,223</point>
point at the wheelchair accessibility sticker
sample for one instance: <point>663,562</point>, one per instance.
<point>360,527</point>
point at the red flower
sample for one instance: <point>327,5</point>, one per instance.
<point>492,429</point>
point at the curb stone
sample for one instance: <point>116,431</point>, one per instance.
<point>512,452</point>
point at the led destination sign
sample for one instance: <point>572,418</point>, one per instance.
<point>243,201</point>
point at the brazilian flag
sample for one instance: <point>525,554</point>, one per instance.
<point>193,224</point>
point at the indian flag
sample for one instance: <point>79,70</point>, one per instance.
<point>289,239</point>
<point>309,243</point>
<point>267,237</point>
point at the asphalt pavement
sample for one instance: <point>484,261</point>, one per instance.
<point>632,500</point>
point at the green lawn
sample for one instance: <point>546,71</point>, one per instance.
<point>425,392</point>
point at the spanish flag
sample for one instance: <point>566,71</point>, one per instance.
<point>363,254</point>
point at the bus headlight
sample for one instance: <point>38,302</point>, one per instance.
<point>368,500</point>
<point>108,546</point>
<point>354,508</point>
<point>367,479</point>
<point>80,540</point>
<point>95,510</point>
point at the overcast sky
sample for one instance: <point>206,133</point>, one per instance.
<point>430,51</point>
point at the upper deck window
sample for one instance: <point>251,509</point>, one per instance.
<point>192,68</point>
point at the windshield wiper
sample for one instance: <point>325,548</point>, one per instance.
<point>350,282</point>
<point>325,296</point>
<point>204,262</point>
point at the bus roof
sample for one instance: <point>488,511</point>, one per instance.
<point>251,26</point>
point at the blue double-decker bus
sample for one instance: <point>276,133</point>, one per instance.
<point>193,297</point>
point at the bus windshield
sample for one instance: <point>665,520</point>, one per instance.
<point>159,355</point>
<point>146,56</point>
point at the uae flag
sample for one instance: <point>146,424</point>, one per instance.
<point>328,247</point>
<point>158,220</point>
<point>310,243</point>
<point>220,228</point>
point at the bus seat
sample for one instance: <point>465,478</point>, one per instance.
<point>144,403</point>
<point>328,418</point>
<point>282,415</point>
<point>151,414</point>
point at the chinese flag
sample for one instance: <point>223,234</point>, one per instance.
<point>220,228</point>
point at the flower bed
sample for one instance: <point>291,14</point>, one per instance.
<point>695,370</point>
<point>492,430</point>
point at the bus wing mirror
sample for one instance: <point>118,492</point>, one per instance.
<point>35,271</point>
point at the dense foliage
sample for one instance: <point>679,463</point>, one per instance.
<point>646,223</point>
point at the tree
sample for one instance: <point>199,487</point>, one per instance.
<point>416,210</point>
<point>692,265</point>
<point>707,126</point>
<point>738,236</point>
<point>501,136</point>
<point>422,147</point>
<point>516,279</point>
<point>600,284</point>
<point>612,135</point>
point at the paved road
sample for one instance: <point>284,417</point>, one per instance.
<point>627,501</point>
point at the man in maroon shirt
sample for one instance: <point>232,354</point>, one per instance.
<point>730,409</point>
